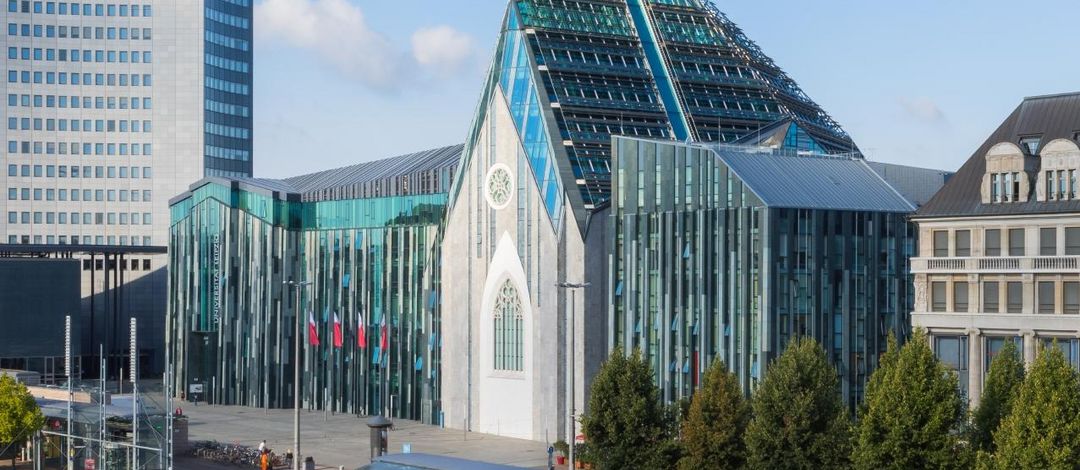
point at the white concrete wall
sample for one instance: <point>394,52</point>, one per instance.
<point>483,246</point>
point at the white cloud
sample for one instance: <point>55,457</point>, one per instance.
<point>922,108</point>
<point>442,49</point>
<point>337,31</point>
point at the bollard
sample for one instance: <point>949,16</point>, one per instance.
<point>380,441</point>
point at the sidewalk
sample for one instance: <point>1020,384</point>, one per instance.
<point>343,439</point>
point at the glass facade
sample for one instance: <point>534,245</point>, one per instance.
<point>702,269</point>
<point>372,265</point>
<point>228,85</point>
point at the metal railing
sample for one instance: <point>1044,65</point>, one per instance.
<point>996,264</point>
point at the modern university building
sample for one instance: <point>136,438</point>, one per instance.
<point>645,147</point>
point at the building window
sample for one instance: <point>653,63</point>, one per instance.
<point>991,297</point>
<point>941,243</point>
<point>1062,187</point>
<point>1046,297</point>
<point>937,296</point>
<point>1072,241</point>
<point>1030,144</point>
<point>1070,348</point>
<point>992,242</point>
<point>1047,241</point>
<point>1011,187</point>
<point>963,242</point>
<point>1071,297</point>
<point>509,330</point>
<point>1016,242</point>
<point>1048,179</point>
<point>953,352</point>
<point>1014,297</point>
<point>994,345</point>
<point>960,297</point>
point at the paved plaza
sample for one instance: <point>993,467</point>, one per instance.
<point>342,440</point>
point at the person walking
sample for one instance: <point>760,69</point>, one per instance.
<point>264,460</point>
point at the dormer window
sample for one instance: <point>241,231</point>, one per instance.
<point>1060,185</point>
<point>1009,173</point>
<point>1005,187</point>
<point>1030,144</point>
<point>1059,164</point>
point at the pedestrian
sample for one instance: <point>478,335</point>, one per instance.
<point>264,461</point>
<point>262,446</point>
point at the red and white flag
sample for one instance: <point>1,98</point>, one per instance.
<point>338,336</point>
<point>361,332</point>
<point>313,334</point>
<point>384,341</point>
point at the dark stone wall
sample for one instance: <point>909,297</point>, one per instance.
<point>35,295</point>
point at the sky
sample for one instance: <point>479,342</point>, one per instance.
<point>915,82</point>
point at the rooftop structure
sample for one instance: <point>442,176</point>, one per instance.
<point>1036,122</point>
<point>576,73</point>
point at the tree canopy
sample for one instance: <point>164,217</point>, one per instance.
<point>712,435</point>
<point>1003,381</point>
<point>799,420</point>
<point>912,414</point>
<point>20,416</point>
<point>627,426</point>
<point>1043,428</point>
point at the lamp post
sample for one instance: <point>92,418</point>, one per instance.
<point>570,366</point>
<point>297,289</point>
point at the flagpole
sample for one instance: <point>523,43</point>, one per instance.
<point>330,374</point>
<point>297,289</point>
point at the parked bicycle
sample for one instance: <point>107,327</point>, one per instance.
<point>231,454</point>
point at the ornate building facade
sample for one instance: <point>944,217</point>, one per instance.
<point>1000,245</point>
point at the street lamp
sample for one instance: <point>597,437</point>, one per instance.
<point>297,286</point>
<point>570,364</point>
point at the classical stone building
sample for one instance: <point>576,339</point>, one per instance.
<point>999,251</point>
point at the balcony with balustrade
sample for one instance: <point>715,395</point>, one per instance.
<point>997,264</point>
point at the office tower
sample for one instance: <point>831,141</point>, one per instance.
<point>113,107</point>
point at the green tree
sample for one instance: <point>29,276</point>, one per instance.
<point>912,414</point>
<point>799,420</point>
<point>1003,382</point>
<point>627,426</point>
<point>1043,428</point>
<point>712,434</point>
<point>20,416</point>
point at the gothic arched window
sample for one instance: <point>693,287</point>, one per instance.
<point>509,329</point>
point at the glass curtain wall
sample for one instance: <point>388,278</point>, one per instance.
<point>702,269</point>
<point>372,268</point>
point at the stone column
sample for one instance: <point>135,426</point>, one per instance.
<point>974,294</point>
<point>975,366</point>
<point>1029,346</point>
<point>1029,293</point>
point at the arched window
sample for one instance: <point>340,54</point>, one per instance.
<point>509,329</point>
